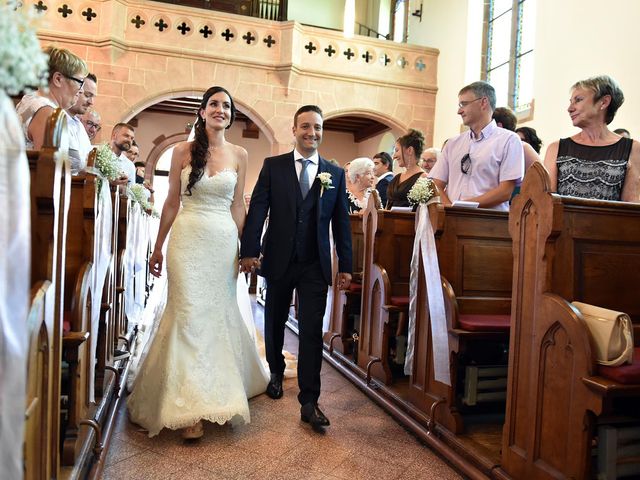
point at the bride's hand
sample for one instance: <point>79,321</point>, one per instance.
<point>155,263</point>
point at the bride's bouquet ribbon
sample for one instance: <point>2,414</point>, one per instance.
<point>424,243</point>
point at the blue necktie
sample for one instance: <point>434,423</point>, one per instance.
<point>304,178</point>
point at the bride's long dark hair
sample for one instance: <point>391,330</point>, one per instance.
<point>200,145</point>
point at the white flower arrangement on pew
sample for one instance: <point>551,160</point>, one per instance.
<point>138,193</point>
<point>107,163</point>
<point>422,192</point>
<point>23,65</point>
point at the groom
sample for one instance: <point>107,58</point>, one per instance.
<point>296,252</point>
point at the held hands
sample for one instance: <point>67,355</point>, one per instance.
<point>344,280</point>
<point>249,264</point>
<point>155,263</point>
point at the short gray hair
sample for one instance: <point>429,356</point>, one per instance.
<point>435,151</point>
<point>481,89</point>
<point>359,167</point>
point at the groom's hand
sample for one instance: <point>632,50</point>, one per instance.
<point>344,280</point>
<point>249,264</point>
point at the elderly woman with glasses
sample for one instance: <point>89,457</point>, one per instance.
<point>361,185</point>
<point>595,162</point>
<point>66,78</point>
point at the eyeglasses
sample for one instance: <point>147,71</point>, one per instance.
<point>79,81</point>
<point>90,124</point>
<point>465,103</point>
<point>465,164</point>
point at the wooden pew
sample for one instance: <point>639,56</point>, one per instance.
<point>565,249</point>
<point>50,180</point>
<point>346,303</point>
<point>475,260</point>
<point>388,237</point>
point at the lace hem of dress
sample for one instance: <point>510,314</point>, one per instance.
<point>220,418</point>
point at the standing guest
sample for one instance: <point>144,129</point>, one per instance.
<point>406,152</point>
<point>429,158</point>
<point>79,141</point>
<point>484,163</point>
<point>530,136</point>
<point>505,118</point>
<point>65,82</point>
<point>122,137</point>
<point>92,124</point>
<point>595,162</point>
<point>362,181</point>
<point>623,132</point>
<point>383,169</point>
<point>303,195</point>
<point>203,363</point>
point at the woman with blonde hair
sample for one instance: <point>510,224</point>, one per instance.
<point>595,162</point>
<point>66,79</point>
<point>407,153</point>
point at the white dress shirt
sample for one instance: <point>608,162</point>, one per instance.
<point>128,168</point>
<point>312,168</point>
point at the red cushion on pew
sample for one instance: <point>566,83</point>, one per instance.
<point>626,374</point>
<point>400,301</point>
<point>355,287</point>
<point>66,322</point>
<point>484,323</point>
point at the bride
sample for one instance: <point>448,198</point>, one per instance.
<point>203,363</point>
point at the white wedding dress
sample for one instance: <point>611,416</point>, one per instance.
<point>203,362</point>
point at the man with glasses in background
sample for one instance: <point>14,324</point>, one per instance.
<point>79,141</point>
<point>484,163</point>
<point>92,124</point>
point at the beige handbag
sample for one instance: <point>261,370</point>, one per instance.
<point>611,333</point>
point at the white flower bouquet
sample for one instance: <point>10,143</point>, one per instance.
<point>22,62</point>
<point>325,182</point>
<point>138,193</point>
<point>107,162</point>
<point>422,191</point>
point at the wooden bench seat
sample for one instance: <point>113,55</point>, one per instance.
<point>560,403</point>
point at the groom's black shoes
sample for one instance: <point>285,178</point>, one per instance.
<point>274,389</point>
<point>311,414</point>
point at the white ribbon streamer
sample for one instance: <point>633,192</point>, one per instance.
<point>424,243</point>
<point>15,282</point>
<point>101,257</point>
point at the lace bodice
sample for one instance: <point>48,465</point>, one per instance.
<point>209,193</point>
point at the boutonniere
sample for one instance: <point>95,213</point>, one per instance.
<point>325,182</point>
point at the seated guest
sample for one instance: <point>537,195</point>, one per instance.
<point>79,141</point>
<point>361,184</point>
<point>133,154</point>
<point>406,152</point>
<point>505,118</point>
<point>623,132</point>
<point>65,82</point>
<point>595,162</point>
<point>429,158</point>
<point>530,136</point>
<point>122,137</point>
<point>383,169</point>
<point>484,163</point>
<point>92,124</point>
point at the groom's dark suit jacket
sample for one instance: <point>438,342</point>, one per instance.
<point>277,193</point>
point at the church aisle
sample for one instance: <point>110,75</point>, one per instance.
<point>363,442</point>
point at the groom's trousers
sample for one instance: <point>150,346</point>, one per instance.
<point>311,288</point>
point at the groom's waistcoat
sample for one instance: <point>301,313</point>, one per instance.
<point>306,236</point>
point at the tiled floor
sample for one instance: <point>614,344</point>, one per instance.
<point>363,442</point>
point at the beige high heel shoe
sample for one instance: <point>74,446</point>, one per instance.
<point>193,432</point>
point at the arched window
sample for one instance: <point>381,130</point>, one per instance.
<point>509,33</point>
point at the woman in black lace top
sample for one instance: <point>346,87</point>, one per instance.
<point>595,163</point>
